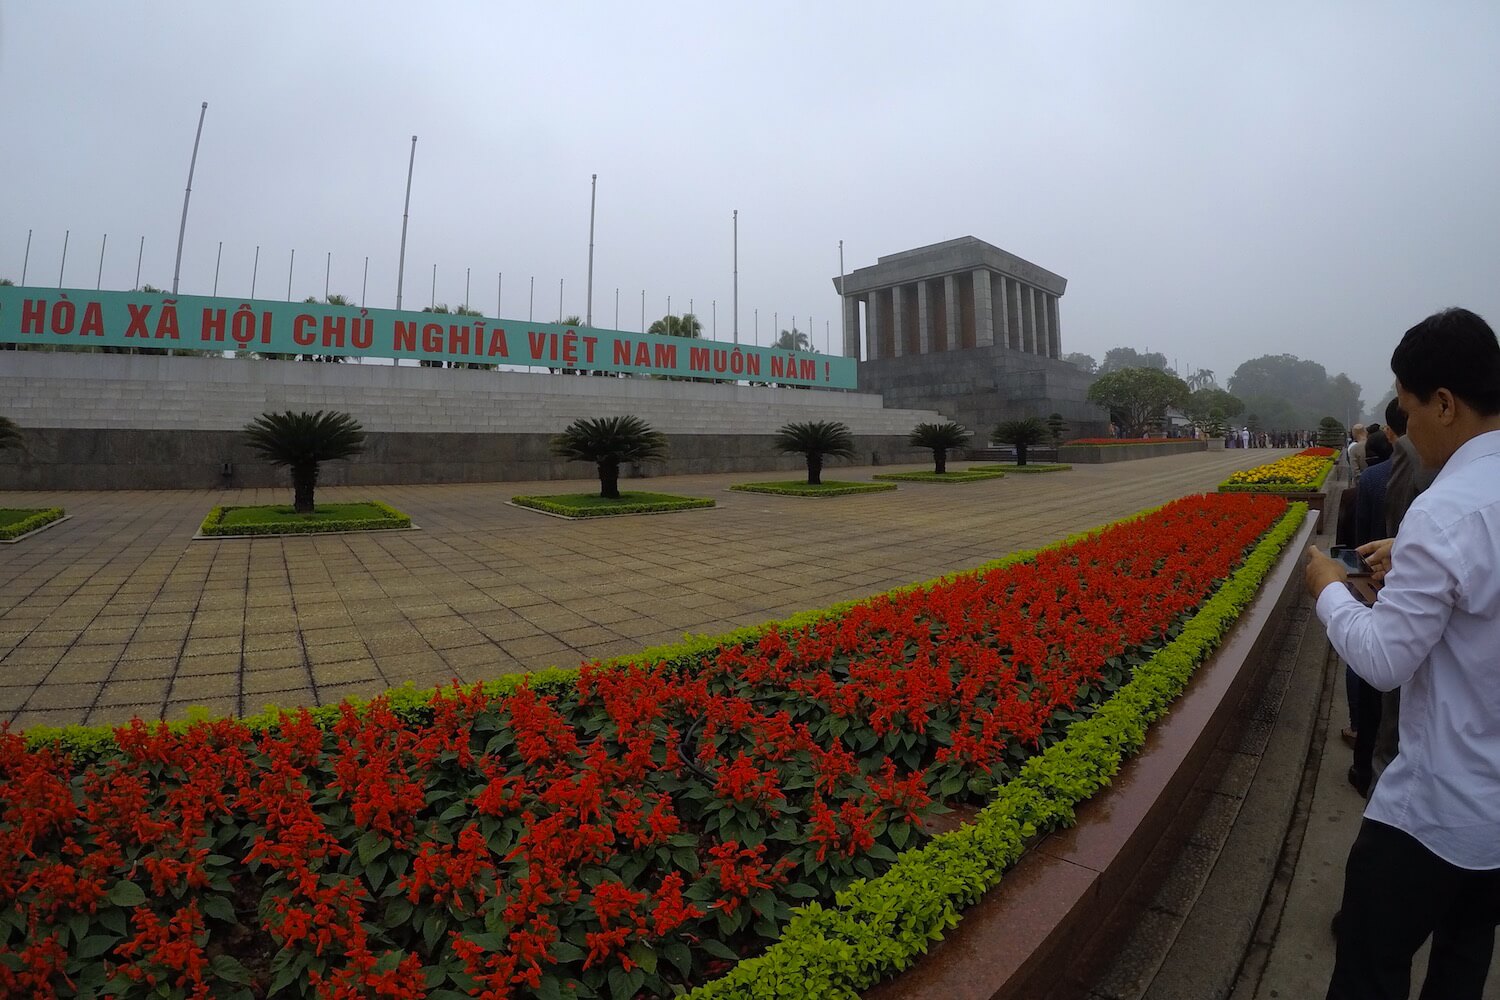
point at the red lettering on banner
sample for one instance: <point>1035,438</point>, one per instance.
<point>666,356</point>
<point>537,341</point>
<point>570,348</point>
<point>497,344</point>
<point>93,321</point>
<point>406,336</point>
<point>333,331</point>
<point>300,332</point>
<point>432,338</point>
<point>807,370</point>
<point>698,359</point>
<point>622,352</point>
<point>588,349</point>
<point>752,364</point>
<point>458,339</point>
<point>34,316</point>
<point>137,327</point>
<point>778,368</point>
<point>362,332</point>
<point>214,322</point>
<point>166,326</point>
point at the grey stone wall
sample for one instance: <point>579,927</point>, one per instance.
<point>1086,454</point>
<point>131,459</point>
<point>981,386</point>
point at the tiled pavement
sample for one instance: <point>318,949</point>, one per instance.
<point>118,612</point>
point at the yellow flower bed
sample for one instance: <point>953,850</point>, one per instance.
<point>1294,470</point>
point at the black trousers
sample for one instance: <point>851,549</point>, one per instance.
<point>1397,893</point>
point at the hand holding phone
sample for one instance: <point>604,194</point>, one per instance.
<point>1353,563</point>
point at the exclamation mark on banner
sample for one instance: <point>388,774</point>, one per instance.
<point>827,372</point>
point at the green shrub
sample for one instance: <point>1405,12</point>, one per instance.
<point>25,521</point>
<point>382,517</point>
<point>592,505</point>
<point>832,488</point>
<point>963,476</point>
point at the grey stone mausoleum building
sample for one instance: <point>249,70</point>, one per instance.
<point>967,329</point>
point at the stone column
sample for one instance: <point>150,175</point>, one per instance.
<point>1043,326</point>
<point>924,320</point>
<point>1055,323</point>
<point>984,309</point>
<point>953,321</point>
<point>1002,328</point>
<point>872,325</point>
<point>898,318</point>
<point>1028,319</point>
<point>851,326</point>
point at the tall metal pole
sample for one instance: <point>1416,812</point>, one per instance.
<point>405,214</point>
<point>140,252</point>
<point>775,327</point>
<point>219,259</point>
<point>26,260</point>
<point>365,285</point>
<point>715,328</point>
<point>327,270</point>
<point>559,299</point>
<point>756,341</point>
<point>531,301</point>
<point>499,291</point>
<point>434,286</point>
<point>736,276</point>
<point>643,310</point>
<point>289,265</point>
<point>844,303</point>
<point>466,287</point>
<point>588,318</point>
<point>182,228</point>
<point>254,271</point>
<point>617,308</point>
<point>99,278</point>
<point>66,234</point>
<point>668,320</point>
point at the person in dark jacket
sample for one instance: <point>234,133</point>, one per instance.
<point>1369,526</point>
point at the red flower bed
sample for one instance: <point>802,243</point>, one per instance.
<point>1317,451</point>
<point>635,831</point>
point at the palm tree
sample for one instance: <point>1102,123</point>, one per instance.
<point>1021,433</point>
<point>792,340</point>
<point>10,436</point>
<point>940,438</point>
<point>608,441</point>
<point>686,325</point>
<point>302,440</point>
<point>816,439</point>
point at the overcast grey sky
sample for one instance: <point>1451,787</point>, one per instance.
<point>1215,182</point>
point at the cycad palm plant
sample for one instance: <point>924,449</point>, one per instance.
<point>608,441</point>
<point>10,436</point>
<point>940,438</point>
<point>815,439</point>
<point>301,441</point>
<point>1021,433</point>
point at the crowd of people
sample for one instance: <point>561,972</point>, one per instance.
<point>1246,438</point>
<point>1423,510</point>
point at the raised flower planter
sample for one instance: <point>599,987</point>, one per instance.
<point>638,825</point>
<point>1299,478</point>
<point>18,522</point>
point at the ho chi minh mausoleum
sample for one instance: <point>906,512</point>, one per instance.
<point>969,330</point>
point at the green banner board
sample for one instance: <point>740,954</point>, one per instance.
<point>81,318</point>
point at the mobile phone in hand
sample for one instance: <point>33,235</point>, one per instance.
<point>1351,560</point>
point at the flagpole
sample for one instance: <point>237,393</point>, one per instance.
<point>736,276</point>
<point>99,278</point>
<point>405,214</point>
<point>182,228</point>
<point>588,319</point>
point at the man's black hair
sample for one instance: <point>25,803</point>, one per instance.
<point>1455,350</point>
<point>1377,447</point>
<point>1395,417</point>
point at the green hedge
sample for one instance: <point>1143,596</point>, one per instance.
<point>35,520</point>
<point>962,476</point>
<point>831,488</point>
<point>1309,487</point>
<point>212,524</point>
<point>551,506</point>
<point>879,927</point>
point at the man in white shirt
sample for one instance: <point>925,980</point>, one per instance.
<point>1427,859</point>
<point>1354,451</point>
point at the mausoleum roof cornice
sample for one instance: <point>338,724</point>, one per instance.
<point>959,256</point>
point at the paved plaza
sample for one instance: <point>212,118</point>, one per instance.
<point>118,612</point>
